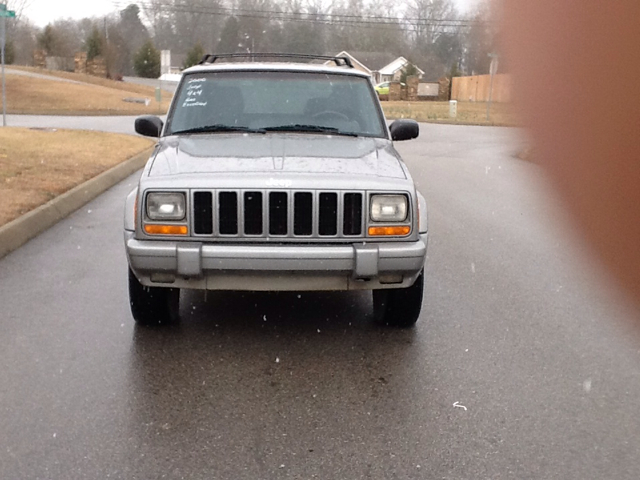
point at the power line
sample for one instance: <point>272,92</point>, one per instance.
<point>190,7</point>
<point>408,24</point>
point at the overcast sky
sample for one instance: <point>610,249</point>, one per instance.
<point>42,12</point>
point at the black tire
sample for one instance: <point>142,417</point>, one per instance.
<point>153,305</point>
<point>399,307</point>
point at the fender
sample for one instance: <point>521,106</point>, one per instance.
<point>130,210</point>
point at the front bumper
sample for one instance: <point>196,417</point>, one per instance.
<point>216,266</point>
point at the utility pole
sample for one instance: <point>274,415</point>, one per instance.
<point>4,87</point>
<point>106,48</point>
<point>492,70</point>
<point>4,13</point>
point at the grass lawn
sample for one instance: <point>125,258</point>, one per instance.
<point>38,165</point>
<point>141,90</point>
<point>469,113</point>
<point>100,97</point>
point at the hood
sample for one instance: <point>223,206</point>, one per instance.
<point>271,153</point>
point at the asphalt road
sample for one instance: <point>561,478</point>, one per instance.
<point>22,73</point>
<point>114,124</point>
<point>522,365</point>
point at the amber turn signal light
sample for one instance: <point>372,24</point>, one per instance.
<point>389,231</point>
<point>166,229</point>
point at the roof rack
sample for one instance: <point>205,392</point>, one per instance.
<point>209,58</point>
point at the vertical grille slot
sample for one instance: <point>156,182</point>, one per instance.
<point>253,213</point>
<point>302,213</point>
<point>228,213</point>
<point>328,220</point>
<point>203,213</point>
<point>352,222</point>
<point>278,213</point>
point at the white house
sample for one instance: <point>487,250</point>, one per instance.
<point>393,71</point>
<point>383,67</point>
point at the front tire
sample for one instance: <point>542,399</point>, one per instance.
<point>399,307</point>
<point>152,305</point>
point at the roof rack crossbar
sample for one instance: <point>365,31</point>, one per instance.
<point>343,61</point>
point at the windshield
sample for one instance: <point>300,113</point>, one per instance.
<point>276,101</point>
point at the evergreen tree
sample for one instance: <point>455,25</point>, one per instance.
<point>146,61</point>
<point>93,44</point>
<point>9,52</point>
<point>47,40</point>
<point>455,71</point>
<point>193,56</point>
<point>408,71</point>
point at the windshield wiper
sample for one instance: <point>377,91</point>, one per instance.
<point>310,128</point>
<point>218,127</point>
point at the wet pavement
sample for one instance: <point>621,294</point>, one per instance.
<point>113,124</point>
<point>522,364</point>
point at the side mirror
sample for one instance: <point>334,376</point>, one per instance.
<point>404,130</point>
<point>149,126</point>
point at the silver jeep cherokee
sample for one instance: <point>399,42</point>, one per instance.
<point>275,176</point>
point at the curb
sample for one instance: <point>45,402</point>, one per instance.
<point>19,231</point>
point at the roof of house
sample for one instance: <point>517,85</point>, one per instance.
<point>384,63</point>
<point>353,59</point>
<point>374,60</point>
<point>398,64</point>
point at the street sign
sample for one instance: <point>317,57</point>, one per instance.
<point>4,13</point>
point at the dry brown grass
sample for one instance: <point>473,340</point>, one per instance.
<point>38,165</point>
<point>469,113</point>
<point>103,82</point>
<point>50,97</point>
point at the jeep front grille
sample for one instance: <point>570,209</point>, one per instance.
<point>203,212</point>
<point>352,221</point>
<point>303,214</point>
<point>227,213</point>
<point>253,213</point>
<point>278,213</point>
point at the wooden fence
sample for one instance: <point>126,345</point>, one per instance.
<point>476,88</point>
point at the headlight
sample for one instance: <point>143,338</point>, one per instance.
<point>165,206</point>
<point>388,208</point>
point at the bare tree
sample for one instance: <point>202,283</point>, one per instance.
<point>18,6</point>
<point>434,28</point>
<point>428,18</point>
<point>481,39</point>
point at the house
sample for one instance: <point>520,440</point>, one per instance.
<point>393,71</point>
<point>382,66</point>
<point>357,64</point>
<point>171,65</point>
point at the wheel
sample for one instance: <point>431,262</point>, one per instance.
<point>331,113</point>
<point>152,305</point>
<point>399,307</point>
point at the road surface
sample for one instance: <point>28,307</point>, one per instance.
<point>522,365</point>
<point>113,124</point>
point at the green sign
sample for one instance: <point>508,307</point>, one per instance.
<point>7,13</point>
<point>3,6</point>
